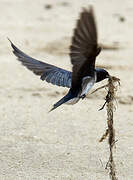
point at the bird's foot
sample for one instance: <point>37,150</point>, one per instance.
<point>83,96</point>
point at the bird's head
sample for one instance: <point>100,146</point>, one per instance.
<point>101,74</point>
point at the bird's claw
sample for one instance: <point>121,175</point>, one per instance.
<point>83,96</point>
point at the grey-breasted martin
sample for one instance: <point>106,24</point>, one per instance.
<point>83,52</point>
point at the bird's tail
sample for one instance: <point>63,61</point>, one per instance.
<point>62,101</point>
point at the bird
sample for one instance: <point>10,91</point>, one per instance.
<point>84,49</point>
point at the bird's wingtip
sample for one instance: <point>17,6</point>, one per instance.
<point>15,49</point>
<point>9,40</point>
<point>88,9</point>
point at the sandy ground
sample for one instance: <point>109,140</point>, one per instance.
<point>62,145</point>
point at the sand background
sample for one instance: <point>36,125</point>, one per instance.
<point>62,145</point>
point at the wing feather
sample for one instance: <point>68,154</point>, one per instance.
<point>52,74</point>
<point>84,47</point>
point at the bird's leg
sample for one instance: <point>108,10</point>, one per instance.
<point>83,96</point>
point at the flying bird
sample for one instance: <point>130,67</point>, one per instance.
<point>83,52</point>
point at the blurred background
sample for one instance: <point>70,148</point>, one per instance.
<point>63,144</point>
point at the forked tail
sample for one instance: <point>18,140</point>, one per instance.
<point>65,99</point>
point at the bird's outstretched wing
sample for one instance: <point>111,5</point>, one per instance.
<point>50,73</point>
<point>84,48</point>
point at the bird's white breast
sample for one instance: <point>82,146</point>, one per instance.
<point>73,101</point>
<point>87,84</point>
